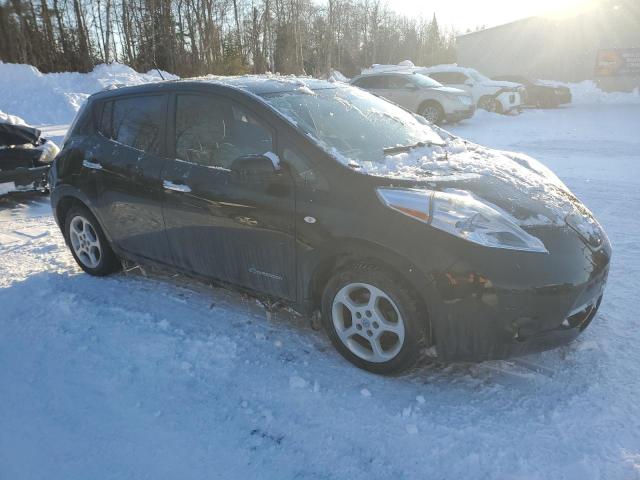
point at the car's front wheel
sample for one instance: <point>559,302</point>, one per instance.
<point>89,246</point>
<point>488,103</point>
<point>432,112</point>
<point>373,319</point>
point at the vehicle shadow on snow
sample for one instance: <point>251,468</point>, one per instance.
<point>144,296</point>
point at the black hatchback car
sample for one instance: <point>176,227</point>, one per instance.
<point>408,240</point>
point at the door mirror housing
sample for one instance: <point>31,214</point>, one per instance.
<point>253,165</point>
<point>469,83</point>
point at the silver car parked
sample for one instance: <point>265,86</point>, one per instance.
<point>420,94</point>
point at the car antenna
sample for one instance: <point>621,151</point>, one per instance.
<point>158,70</point>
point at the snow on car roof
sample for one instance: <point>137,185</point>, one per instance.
<point>267,83</point>
<point>402,67</point>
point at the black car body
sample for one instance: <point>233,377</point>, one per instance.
<point>539,94</point>
<point>288,209</point>
<point>25,158</point>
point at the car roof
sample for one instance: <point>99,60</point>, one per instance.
<point>252,84</point>
<point>383,74</point>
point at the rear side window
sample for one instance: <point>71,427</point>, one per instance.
<point>134,121</point>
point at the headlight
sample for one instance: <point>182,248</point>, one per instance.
<point>585,224</point>
<point>49,152</point>
<point>462,215</point>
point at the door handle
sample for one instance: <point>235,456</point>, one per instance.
<point>91,165</point>
<point>176,187</point>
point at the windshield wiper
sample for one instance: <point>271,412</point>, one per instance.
<point>406,148</point>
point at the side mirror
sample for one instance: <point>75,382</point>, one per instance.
<point>469,83</point>
<point>253,165</point>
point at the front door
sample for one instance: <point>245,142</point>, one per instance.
<point>239,229</point>
<point>128,159</point>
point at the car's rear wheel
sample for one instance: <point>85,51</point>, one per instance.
<point>89,246</point>
<point>373,319</point>
<point>432,112</point>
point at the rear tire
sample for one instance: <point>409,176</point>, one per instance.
<point>88,244</point>
<point>373,319</point>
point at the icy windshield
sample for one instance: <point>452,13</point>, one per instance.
<point>351,124</point>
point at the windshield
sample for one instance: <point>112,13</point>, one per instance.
<point>477,76</point>
<point>425,81</point>
<point>351,124</point>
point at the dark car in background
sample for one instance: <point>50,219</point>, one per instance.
<point>25,157</point>
<point>326,197</point>
<point>539,94</point>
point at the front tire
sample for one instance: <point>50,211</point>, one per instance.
<point>88,244</point>
<point>432,112</point>
<point>373,319</point>
<point>487,103</point>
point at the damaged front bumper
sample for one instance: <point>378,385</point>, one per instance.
<point>512,305</point>
<point>24,179</point>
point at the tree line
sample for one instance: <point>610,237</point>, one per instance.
<point>194,37</point>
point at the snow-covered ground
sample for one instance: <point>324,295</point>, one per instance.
<point>137,377</point>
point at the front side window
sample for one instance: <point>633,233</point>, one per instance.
<point>352,124</point>
<point>400,82</point>
<point>212,132</point>
<point>134,121</point>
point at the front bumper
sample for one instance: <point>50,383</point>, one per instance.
<point>26,178</point>
<point>512,304</point>
<point>510,101</point>
<point>458,115</point>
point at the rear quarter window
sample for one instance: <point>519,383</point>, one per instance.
<point>133,121</point>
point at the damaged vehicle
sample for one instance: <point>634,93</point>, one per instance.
<point>407,240</point>
<point>25,157</point>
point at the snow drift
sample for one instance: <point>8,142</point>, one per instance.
<point>42,98</point>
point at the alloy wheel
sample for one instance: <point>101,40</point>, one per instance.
<point>85,241</point>
<point>431,114</point>
<point>368,322</point>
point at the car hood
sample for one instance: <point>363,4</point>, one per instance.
<point>502,84</point>
<point>514,183</point>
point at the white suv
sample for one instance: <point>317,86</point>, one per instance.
<point>420,94</point>
<point>493,95</point>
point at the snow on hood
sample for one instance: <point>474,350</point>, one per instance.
<point>502,84</point>
<point>515,183</point>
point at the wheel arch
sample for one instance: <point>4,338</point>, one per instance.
<point>363,251</point>
<point>63,198</point>
<point>430,101</point>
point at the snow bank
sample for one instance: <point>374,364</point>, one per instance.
<point>587,92</point>
<point>11,119</point>
<point>56,97</point>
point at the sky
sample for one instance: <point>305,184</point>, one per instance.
<point>464,14</point>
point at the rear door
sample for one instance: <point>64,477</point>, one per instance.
<point>127,160</point>
<point>239,229</point>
